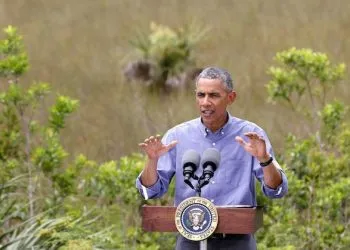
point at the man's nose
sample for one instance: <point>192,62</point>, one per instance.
<point>206,101</point>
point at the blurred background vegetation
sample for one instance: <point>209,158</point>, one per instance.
<point>82,48</point>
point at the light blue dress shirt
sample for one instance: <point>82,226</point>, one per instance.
<point>233,182</point>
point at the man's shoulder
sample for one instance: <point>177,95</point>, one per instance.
<point>245,124</point>
<point>187,124</point>
<point>184,126</point>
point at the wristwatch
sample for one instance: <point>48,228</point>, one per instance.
<point>265,164</point>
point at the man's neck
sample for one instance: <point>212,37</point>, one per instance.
<point>213,128</point>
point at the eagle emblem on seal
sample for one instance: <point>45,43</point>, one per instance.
<point>196,217</point>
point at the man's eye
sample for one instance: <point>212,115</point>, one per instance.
<point>200,95</point>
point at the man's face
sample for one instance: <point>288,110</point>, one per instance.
<point>212,100</point>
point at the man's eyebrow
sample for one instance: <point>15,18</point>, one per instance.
<point>209,93</point>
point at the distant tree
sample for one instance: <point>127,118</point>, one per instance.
<point>167,57</point>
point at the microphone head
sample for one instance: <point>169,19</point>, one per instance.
<point>192,158</point>
<point>211,156</point>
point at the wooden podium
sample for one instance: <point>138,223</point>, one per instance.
<point>232,220</point>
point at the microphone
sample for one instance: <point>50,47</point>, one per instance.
<point>190,162</point>
<point>210,162</point>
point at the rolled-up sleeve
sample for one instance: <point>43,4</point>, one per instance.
<point>278,192</point>
<point>148,192</point>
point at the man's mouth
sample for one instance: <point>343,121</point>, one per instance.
<point>207,113</point>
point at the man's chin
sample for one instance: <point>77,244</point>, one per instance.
<point>207,119</point>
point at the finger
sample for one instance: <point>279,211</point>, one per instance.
<point>171,145</point>
<point>158,137</point>
<point>257,137</point>
<point>251,134</point>
<point>240,140</point>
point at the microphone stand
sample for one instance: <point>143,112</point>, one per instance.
<point>212,157</point>
<point>203,244</point>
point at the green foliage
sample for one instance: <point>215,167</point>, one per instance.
<point>127,172</point>
<point>114,182</point>
<point>77,244</point>
<point>63,107</point>
<point>41,232</point>
<point>315,213</point>
<point>14,60</point>
<point>303,71</point>
<point>32,214</point>
<point>148,241</point>
<point>8,199</point>
<point>332,116</point>
<point>50,155</point>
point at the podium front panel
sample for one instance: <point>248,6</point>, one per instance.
<point>233,220</point>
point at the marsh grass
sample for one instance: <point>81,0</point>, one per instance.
<point>81,47</point>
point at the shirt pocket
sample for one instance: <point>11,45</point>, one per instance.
<point>234,172</point>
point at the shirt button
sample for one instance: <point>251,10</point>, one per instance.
<point>212,200</point>
<point>213,182</point>
<point>222,132</point>
<point>214,144</point>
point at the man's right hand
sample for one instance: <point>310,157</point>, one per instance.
<point>154,148</point>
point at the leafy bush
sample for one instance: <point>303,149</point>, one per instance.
<point>315,213</point>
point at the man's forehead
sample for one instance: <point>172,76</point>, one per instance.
<point>210,86</point>
<point>210,89</point>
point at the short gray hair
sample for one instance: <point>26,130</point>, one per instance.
<point>217,73</point>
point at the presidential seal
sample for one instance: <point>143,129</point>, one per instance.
<point>196,218</point>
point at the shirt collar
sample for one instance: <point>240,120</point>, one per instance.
<point>205,131</point>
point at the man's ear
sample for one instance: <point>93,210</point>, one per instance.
<point>232,96</point>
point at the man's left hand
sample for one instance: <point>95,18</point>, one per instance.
<point>256,146</point>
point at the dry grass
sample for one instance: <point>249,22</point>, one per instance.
<point>80,47</point>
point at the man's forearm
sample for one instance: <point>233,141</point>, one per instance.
<point>149,174</point>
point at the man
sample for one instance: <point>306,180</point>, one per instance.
<point>246,155</point>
